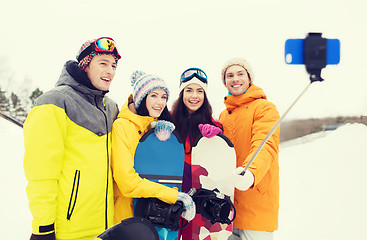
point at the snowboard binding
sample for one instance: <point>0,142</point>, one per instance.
<point>159,213</point>
<point>213,205</point>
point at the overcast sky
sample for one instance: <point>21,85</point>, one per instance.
<point>164,37</point>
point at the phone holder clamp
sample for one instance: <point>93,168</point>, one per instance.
<point>315,55</point>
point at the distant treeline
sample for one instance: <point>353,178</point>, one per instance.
<point>298,128</point>
<point>14,107</point>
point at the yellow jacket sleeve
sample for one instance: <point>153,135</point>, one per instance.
<point>44,132</point>
<point>125,139</point>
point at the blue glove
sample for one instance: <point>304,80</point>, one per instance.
<point>163,129</point>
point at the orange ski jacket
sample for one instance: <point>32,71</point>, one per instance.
<point>246,121</point>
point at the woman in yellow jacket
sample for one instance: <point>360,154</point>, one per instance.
<point>150,97</point>
<point>247,119</point>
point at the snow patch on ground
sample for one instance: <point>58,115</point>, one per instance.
<point>15,220</point>
<point>322,186</point>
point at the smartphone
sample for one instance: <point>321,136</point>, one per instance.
<point>294,51</point>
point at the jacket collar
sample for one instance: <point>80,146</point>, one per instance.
<point>253,92</point>
<point>141,122</point>
<point>76,78</point>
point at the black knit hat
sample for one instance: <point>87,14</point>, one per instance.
<point>87,51</point>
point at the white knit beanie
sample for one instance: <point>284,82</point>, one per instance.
<point>193,80</point>
<point>241,62</point>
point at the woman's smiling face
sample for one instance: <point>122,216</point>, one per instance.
<point>156,102</point>
<point>193,97</point>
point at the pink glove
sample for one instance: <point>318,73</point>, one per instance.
<point>208,130</point>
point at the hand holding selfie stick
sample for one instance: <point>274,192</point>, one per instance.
<point>315,58</point>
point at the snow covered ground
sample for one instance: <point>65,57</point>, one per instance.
<point>323,186</point>
<point>323,193</point>
<point>15,217</point>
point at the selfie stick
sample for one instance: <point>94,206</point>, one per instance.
<point>315,61</point>
<point>276,125</point>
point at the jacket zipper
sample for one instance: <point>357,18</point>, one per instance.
<point>108,160</point>
<point>76,187</point>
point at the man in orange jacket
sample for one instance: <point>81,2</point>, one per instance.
<point>246,121</point>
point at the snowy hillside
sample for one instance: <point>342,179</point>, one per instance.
<point>323,186</point>
<point>323,191</point>
<point>15,218</point>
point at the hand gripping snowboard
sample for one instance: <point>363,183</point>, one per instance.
<point>162,162</point>
<point>213,160</point>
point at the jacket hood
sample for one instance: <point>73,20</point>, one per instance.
<point>253,92</point>
<point>71,75</point>
<point>141,122</point>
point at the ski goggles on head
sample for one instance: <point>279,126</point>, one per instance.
<point>101,45</point>
<point>194,72</point>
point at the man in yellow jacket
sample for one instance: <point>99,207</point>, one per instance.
<point>67,148</point>
<point>247,119</point>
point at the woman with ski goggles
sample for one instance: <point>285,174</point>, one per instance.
<point>191,113</point>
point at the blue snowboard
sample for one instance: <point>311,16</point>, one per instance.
<point>162,162</point>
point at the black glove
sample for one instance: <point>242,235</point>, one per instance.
<point>50,236</point>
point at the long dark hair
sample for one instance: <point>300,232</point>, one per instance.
<point>186,124</point>
<point>143,111</point>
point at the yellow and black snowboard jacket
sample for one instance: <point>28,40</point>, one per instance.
<point>67,159</point>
